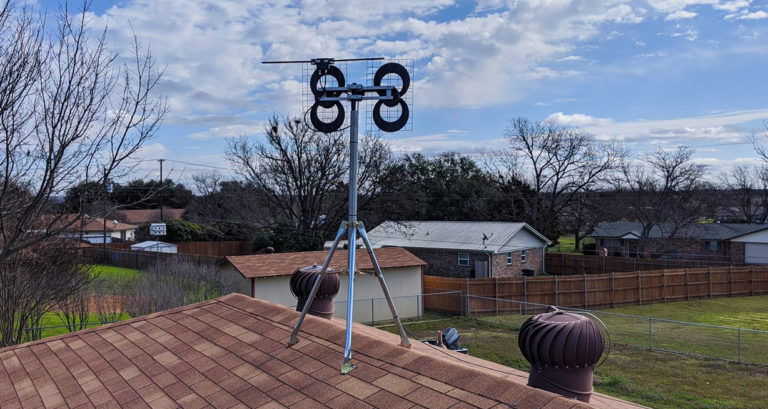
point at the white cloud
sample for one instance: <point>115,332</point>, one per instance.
<point>680,14</point>
<point>578,120</point>
<point>229,131</point>
<point>756,15</point>
<point>213,49</point>
<point>447,141</point>
<point>724,127</point>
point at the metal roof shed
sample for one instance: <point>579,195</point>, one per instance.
<point>156,246</point>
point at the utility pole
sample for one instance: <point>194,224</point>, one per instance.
<point>161,188</point>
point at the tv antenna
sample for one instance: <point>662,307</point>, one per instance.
<point>326,98</point>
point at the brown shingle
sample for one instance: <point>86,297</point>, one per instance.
<point>277,264</point>
<point>231,352</point>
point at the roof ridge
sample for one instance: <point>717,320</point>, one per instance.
<point>116,324</point>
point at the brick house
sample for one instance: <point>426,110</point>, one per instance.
<point>736,242</point>
<point>468,249</point>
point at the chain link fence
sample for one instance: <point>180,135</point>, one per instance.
<point>737,345</point>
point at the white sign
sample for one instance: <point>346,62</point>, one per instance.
<point>157,229</point>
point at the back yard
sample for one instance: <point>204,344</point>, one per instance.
<point>652,378</point>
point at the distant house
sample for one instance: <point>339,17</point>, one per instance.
<point>156,246</point>
<point>92,229</point>
<point>468,249</point>
<point>740,243</point>
<point>266,276</point>
<point>141,216</point>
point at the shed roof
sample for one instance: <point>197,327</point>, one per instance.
<point>231,351</point>
<point>151,243</point>
<point>697,231</point>
<point>453,235</point>
<point>279,264</point>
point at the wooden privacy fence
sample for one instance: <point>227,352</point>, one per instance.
<point>599,290</point>
<point>202,248</point>
<point>568,264</point>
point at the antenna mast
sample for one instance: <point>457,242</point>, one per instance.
<point>331,98</point>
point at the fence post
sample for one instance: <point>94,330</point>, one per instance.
<point>497,295</point>
<point>466,298</point>
<point>613,289</point>
<point>639,289</point>
<point>709,269</point>
<point>418,307</point>
<point>557,300</point>
<point>525,293</point>
<point>730,281</point>
<point>604,264</point>
<point>634,264</point>
<point>687,286</point>
<point>664,284</point>
<point>751,280</point>
<point>650,333</point>
<point>738,346</point>
<point>586,303</point>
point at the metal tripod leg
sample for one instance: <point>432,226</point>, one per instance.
<point>346,366</point>
<point>295,334</point>
<point>403,337</point>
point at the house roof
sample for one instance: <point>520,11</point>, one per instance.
<point>279,264</point>
<point>89,223</point>
<point>152,243</point>
<point>139,216</point>
<point>698,231</point>
<point>231,351</point>
<point>462,235</point>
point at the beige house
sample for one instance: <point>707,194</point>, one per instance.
<point>266,277</point>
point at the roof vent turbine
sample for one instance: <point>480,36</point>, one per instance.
<point>563,349</point>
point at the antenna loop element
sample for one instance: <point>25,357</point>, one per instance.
<point>327,127</point>
<point>393,126</point>
<point>332,71</point>
<point>400,71</point>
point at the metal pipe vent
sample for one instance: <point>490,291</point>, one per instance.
<point>563,349</point>
<point>301,284</point>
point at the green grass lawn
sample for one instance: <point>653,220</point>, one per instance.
<point>654,379</point>
<point>746,345</point>
<point>106,272</point>
<point>52,324</point>
<point>566,244</point>
<point>740,312</point>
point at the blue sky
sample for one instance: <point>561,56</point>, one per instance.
<point>652,74</point>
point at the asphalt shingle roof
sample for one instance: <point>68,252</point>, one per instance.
<point>698,231</point>
<point>450,235</point>
<point>279,264</point>
<point>231,353</point>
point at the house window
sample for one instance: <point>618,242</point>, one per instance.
<point>463,259</point>
<point>611,243</point>
<point>523,256</point>
<point>509,257</point>
<point>713,245</point>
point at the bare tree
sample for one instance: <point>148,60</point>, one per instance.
<point>302,175</point>
<point>178,282</point>
<point>748,187</point>
<point>558,162</point>
<point>69,110</point>
<point>32,282</point>
<point>109,298</point>
<point>665,192</point>
<point>75,310</point>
